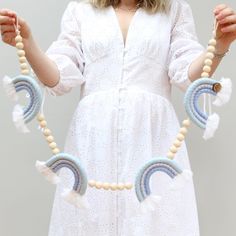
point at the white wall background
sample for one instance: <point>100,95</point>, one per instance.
<point>26,199</point>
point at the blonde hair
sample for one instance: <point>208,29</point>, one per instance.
<point>151,6</point>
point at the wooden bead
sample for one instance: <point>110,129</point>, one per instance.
<point>170,155</point>
<point>180,137</point>
<point>173,149</point>
<point>186,123</point>
<point>21,53</point>
<point>43,123</point>
<point>106,186</point>
<point>18,39</point>
<point>92,183</point>
<point>52,145</point>
<point>207,69</point>
<point>23,66</point>
<point>210,55</point>
<point>22,59</point>
<point>208,62</point>
<point>47,132</point>
<point>212,42</point>
<point>177,143</point>
<point>55,151</point>
<point>120,186</point>
<point>20,45</point>
<point>211,49</point>
<point>183,130</point>
<point>98,185</point>
<point>40,117</point>
<point>113,186</point>
<point>50,139</point>
<point>25,72</point>
<point>205,75</point>
<point>128,185</point>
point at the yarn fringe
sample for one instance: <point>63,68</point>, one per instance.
<point>18,119</point>
<point>181,180</point>
<point>75,199</point>
<point>223,96</point>
<point>9,88</point>
<point>150,203</point>
<point>211,126</point>
<point>47,172</point>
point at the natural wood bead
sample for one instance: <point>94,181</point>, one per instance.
<point>173,149</point>
<point>208,62</point>
<point>52,145</point>
<point>47,132</point>
<point>23,66</point>
<point>128,185</point>
<point>211,49</point>
<point>43,123</point>
<point>180,137</point>
<point>106,186</point>
<point>25,72</point>
<point>212,42</point>
<point>18,39</point>
<point>92,183</point>
<point>50,139</point>
<point>22,59</point>
<point>98,185</point>
<point>20,45</point>
<point>183,130</point>
<point>113,186</point>
<point>55,151</point>
<point>40,117</point>
<point>177,143</point>
<point>210,55</point>
<point>205,75</point>
<point>121,186</point>
<point>170,155</point>
<point>186,123</point>
<point>21,53</point>
<point>207,69</point>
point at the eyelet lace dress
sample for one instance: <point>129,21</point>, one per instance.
<point>124,116</point>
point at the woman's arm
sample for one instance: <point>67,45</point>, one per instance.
<point>226,34</point>
<point>45,69</point>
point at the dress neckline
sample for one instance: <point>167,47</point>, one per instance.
<point>131,25</point>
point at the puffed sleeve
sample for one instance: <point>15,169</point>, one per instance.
<point>66,52</point>
<point>184,44</point>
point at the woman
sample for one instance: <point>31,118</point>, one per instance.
<point>124,55</point>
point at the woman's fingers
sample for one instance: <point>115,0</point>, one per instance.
<point>224,13</point>
<point>219,8</point>
<point>9,38</point>
<point>6,20</point>
<point>228,19</point>
<point>7,28</point>
<point>229,28</point>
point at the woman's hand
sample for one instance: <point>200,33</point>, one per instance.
<point>226,31</point>
<point>8,33</point>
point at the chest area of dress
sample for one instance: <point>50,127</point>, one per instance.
<point>148,35</point>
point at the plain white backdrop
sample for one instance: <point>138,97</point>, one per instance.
<point>26,198</point>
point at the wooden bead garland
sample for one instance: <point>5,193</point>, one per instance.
<point>109,186</point>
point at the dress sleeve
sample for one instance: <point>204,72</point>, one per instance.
<point>67,54</point>
<point>184,44</point>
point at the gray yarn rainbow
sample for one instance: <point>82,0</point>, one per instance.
<point>23,82</point>
<point>142,187</point>
<point>58,161</point>
<point>195,90</point>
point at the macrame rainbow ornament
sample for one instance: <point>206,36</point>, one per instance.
<point>209,122</point>
<point>23,115</point>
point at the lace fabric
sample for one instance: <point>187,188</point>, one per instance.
<point>115,130</point>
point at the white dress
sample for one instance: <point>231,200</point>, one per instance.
<point>124,117</point>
